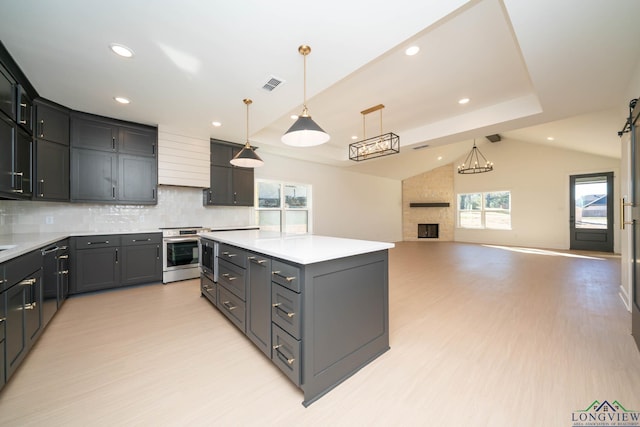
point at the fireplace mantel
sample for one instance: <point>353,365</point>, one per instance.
<point>430,205</point>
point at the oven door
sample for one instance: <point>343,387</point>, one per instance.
<point>180,253</point>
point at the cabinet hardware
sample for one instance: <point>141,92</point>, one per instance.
<point>63,272</point>
<point>23,107</point>
<point>48,251</point>
<point>287,278</point>
<point>30,306</point>
<point>41,186</point>
<point>229,306</point>
<point>63,257</point>
<point>257,261</point>
<point>278,306</point>
<point>29,282</point>
<point>228,255</point>
<point>141,240</point>
<point>289,360</point>
<point>41,129</point>
<point>113,191</point>
<point>106,242</point>
<point>17,178</point>
<point>229,277</point>
<point>113,143</point>
<point>2,319</point>
<point>622,219</point>
<point>116,255</point>
<point>158,252</point>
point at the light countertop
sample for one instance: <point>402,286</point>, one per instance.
<point>298,248</point>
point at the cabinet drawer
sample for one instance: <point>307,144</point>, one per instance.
<point>286,275</point>
<point>142,239</point>
<point>19,268</point>
<point>285,309</point>
<point>3,320</point>
<point>232,254</point>
<point>285,353</point>
<point>233,277</point>
<point>208,288</point>
<point>101,241</point>
<point>232,307</point>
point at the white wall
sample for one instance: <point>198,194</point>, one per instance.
<point>345,204</point>
<point>538,178</point>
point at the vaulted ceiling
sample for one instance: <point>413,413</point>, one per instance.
<point>531,69</point>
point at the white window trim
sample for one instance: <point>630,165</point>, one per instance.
<point>283,208</point>
<point>483,211</point>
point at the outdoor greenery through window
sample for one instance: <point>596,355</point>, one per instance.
<point>485,210</point>
<point>282,206</point>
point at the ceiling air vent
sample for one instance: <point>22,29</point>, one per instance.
<point>420,147</point>
<point>272,83</point>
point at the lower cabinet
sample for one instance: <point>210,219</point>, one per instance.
<point>110,261</point>
<point>318,323</point>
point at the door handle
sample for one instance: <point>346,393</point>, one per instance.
<point>623,204</point>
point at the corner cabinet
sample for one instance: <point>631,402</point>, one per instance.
<point>230,185</point>
<point>318,323</point>
<point>113,161</point>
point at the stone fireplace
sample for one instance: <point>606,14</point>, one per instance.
<point>428,231</point>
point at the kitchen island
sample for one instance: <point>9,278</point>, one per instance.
<point>317,306</point>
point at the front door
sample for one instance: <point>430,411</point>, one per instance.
<point>591,218</point>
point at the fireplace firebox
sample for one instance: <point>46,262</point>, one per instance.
<point>428,231</point>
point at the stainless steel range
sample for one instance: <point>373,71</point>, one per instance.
<point>180,248</point>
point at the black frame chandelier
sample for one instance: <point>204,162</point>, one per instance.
<point>378,146</point>
<point>473,164</point>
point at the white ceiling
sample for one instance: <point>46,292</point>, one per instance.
<point>532,69</point>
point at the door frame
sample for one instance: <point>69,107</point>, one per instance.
<point>597,239</point>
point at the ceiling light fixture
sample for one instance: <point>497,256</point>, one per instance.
<point>463,101</point>
<point>378,146</point>
<point>305,132</point>
<point>472,162</point>
<point>412,50</point>
<point>121,50</point>
<point>247,158</point>
<point>550,138</point>
<point>121,100</point>
<point>216,124</point>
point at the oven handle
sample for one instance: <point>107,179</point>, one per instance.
<point>177,240</point>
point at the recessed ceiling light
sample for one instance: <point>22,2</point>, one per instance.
<point>439,157</point>
<point>122,100</point>
<point>354,137</point>
<point>294,117</point>
<point>121,50</point>
<point>412,50</point>
<point>463,101</point>
<point>216,124</point>
<point>550,138</point>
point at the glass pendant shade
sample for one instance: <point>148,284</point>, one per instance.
<point>247,157</point>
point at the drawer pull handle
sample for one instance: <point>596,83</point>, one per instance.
<point>228,254</point>
<point>63,257</point>
<point>3,319</point>
<point>229,306</point>
<point>106,242</point>
<point>28,282</point>
<point>287,278</point>
<point>30,306</point>
<point>63,272</point>
<point>278,304</point>
<point>229,277</point>
<point>141,240</point>
<point>282,356</point>
<point>257,261</point>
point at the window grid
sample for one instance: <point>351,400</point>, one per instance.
<point>283,206</point>
<point>488,210</point>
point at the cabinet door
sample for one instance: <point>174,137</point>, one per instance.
<point>33,308</point>
<point>141,264</point>
<point>24,110</point>
<point>221,186</point>
<point>93,175</point>
<point>93,133</point>
<point>259,302</point>
<point>138,179</point>
<point>3,320</point>
<point>138,141</point>
<point>7,132</point>
<point>15,342</point>
<point>51,171</point>
<point>7,103</point>
<point>52,122</point>
<point>221,154</point>
<point>242,186</point>
<point>95,269</point>
<point>23,183</point>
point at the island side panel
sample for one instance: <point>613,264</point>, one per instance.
<point>346,319</point>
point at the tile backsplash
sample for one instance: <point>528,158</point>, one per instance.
<point>177,207</point>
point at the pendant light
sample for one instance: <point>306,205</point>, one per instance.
<point>305,132</point>
<point>247,158</point>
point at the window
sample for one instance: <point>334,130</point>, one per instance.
<point>485,210</point>
<point>282,206</point>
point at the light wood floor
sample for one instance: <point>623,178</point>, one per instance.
<point>480,336</point>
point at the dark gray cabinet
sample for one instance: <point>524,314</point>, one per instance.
<point>51,167</point>
<point>7,94</point>
<point>259,302</point>
<point>95,263</point>
<point>16,147</point>
<point>229,185</point>
<point>111,261</point>
<point>141,258</point>
<point>23,298</point>
<point>24,109</point>
<point>3,321</point>
<point>112,161</point>
<point>55,278</point>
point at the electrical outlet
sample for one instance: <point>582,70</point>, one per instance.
<point>48,219</point>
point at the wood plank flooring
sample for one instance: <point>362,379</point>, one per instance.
<point>480,336</point>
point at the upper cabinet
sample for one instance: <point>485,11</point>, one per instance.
<point>230,185</point>
<point>113,161</point>
<point>52,122</point>
<point>7,95</point>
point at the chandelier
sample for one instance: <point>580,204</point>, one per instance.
<point>473,164</point>
<point>378,146</point>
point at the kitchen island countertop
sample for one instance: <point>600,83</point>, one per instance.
<point>298,248</point>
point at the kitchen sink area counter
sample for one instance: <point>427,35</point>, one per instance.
<point>317,306</point>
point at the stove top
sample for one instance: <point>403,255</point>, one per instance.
<point>180,228</point>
